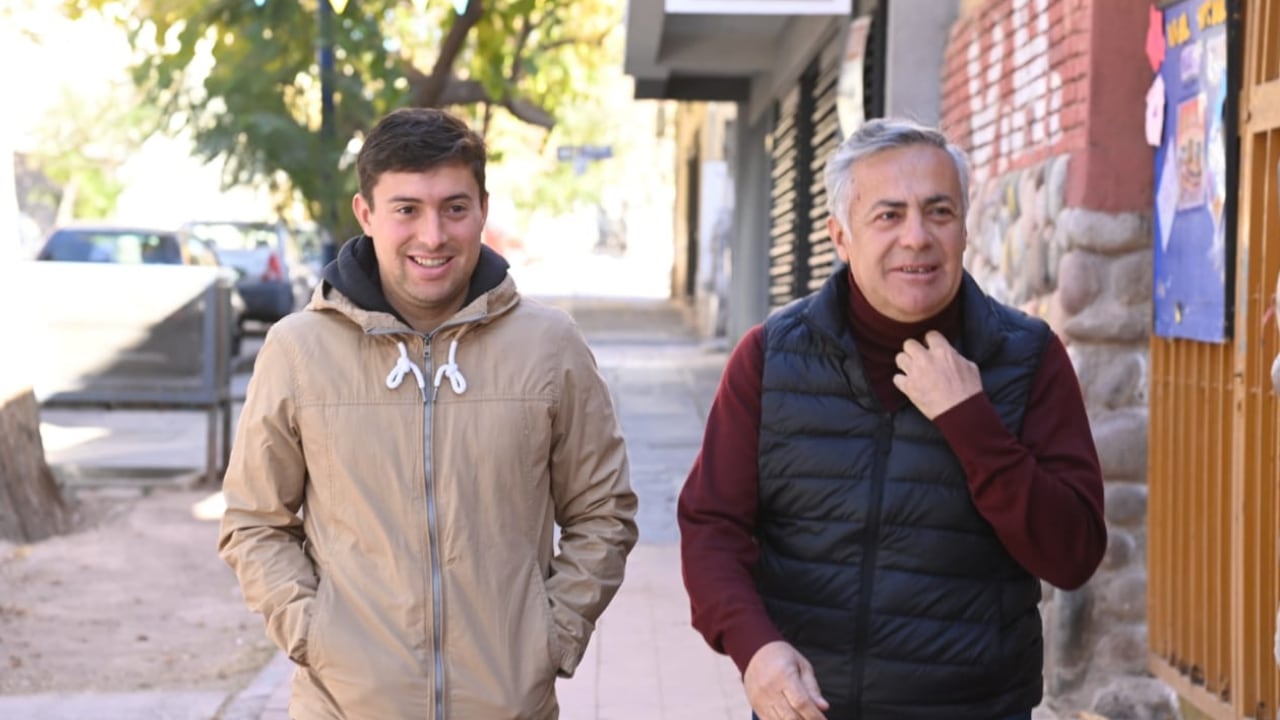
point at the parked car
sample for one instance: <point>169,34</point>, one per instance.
<point>278,268</point>
<point>120,244</point>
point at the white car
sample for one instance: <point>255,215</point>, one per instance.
<point>277,269</point>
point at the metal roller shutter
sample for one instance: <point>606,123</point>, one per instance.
<point>791,197</point>
<point>821,253</point>
<point>806,131</point>
<point>790,156</point>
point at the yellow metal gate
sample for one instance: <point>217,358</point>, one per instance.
<point>1213,508</point>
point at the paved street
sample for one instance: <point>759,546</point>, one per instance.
<point>644,661</point>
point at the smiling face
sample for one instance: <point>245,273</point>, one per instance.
<point>905,233</point>
<point>426,228</point>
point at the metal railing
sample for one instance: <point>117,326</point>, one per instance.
<point>1214,512</point>
<point>132,337</point>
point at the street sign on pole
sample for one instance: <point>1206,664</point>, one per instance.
<point>567,153</point>
<point>580,155</point>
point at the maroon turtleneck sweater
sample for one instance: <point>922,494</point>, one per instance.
<point>1041,491</point>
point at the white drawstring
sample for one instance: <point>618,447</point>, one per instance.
<point>456,380</point>
<point>404,366</point>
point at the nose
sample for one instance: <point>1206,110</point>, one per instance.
<point>431,231</point>
<point>916,233</point>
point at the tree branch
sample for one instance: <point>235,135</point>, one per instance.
<point>441,88</point>
<point>529,112</point>
<point>597,39</point>
<point>470,92</point>
<point>517,56</point>
<point>464,92</point>
<point>428,90</point>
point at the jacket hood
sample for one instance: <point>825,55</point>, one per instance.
<point>354,273</point>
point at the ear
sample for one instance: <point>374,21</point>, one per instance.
<point>362,212</point>
<point>836,232</point>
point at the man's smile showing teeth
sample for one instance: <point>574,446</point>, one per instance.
<point>429,262</point>
<point>916,269</point>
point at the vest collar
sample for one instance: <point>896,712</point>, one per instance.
<point>828,315</point>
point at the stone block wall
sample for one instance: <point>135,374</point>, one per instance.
<point>1088,274</point>
<point>1059,225</point>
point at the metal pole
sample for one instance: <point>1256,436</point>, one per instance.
<point>328,169</point>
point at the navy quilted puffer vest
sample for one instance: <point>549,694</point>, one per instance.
<point>874,562</point>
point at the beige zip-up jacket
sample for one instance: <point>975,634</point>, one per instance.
<point>392,501</point>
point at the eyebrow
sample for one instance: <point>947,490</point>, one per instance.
<point>418,201</point>
<point>891,204</point>
<point>900,204</point>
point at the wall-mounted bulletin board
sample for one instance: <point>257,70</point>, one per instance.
<point>1194,173</point>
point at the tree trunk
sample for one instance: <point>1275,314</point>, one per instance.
<point>31,505</point>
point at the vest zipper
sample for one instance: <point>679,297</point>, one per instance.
<point>437,599</point>
<point>862,621</point>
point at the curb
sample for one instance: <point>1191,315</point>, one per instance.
<point>249,703</point>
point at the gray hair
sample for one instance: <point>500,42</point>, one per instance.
<point>877,136</point>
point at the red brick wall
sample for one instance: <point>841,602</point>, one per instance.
<point>1025,80</point>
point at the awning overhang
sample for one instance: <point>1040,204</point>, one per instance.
<point>711,49</point>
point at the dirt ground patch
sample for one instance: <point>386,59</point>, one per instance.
<point>135,599</point>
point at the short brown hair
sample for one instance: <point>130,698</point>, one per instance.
<point>417,139</point>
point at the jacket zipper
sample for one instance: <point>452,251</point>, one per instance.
<point>437,610</point>
<point>437,594</point>
<point>883,438</point>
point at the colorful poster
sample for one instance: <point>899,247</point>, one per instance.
<point>1193,212</point>
<point>1189,61</point>
<point>1215,76</point>
<point>1155,38</point>
<point>1190,151</point>
<point>1155,112</point>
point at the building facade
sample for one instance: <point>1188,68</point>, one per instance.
<point>1050,99</point>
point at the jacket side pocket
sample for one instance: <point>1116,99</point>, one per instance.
<point>550,631</point>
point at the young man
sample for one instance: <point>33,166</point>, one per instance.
<point>890,466</point>
<point>432,427</point>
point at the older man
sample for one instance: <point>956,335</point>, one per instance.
<point>890,467</point>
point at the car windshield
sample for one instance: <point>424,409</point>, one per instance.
<point>236,236</point>
<point>127,247</point>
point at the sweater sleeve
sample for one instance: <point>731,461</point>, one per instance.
<point>717,514</point>
<point>1041,492</point>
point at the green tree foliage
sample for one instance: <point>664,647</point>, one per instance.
<point>74,141</point>
<point>243,77</point>
<point>83,141</point>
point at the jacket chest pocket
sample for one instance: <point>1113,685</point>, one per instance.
<point>514,434</point>
<point>364,460</point>
<point>492,460</point>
